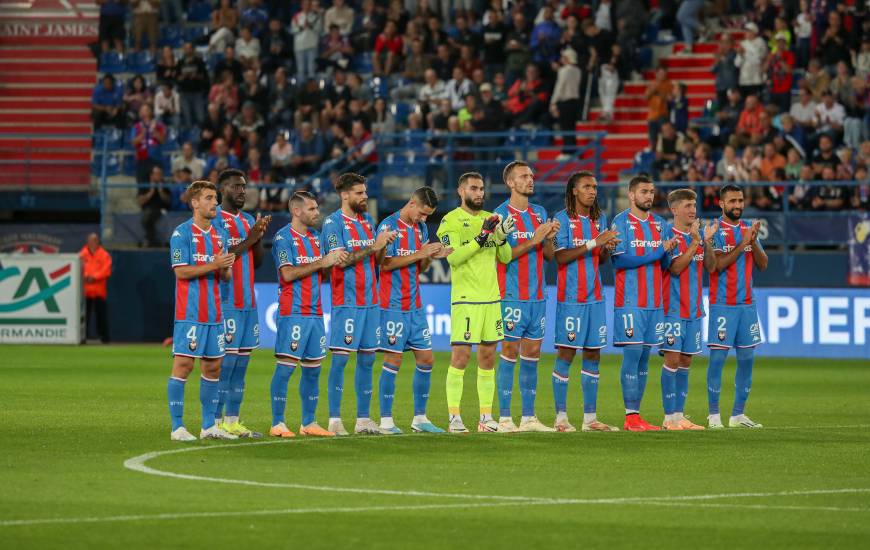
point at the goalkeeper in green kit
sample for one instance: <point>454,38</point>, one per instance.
<point>478,241</point>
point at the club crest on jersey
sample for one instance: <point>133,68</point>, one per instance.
<point>392,338</point>
<point>220,243</point>
<point>229,337</point>
<point>722,335</point>
<point>192,344</point>
<point>467,336</point>
<point>509,325</point>
<point>671,340</point>
<point>294,345</point>
<point>572,336</point>
<point>348,339</point>
<point>629,332</point>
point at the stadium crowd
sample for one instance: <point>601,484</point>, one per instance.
<point>278,87</point>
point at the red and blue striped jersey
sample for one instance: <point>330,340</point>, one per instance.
<point>683,293</point>
<point>639,287</point>
<point>357,284</point>
<point>400,288</point>
<point>579,282</point>
<point>238,293</point>
<point>733,285</point>
<point>197,300</point>
<point>302,296</point>
<point>523,277</point>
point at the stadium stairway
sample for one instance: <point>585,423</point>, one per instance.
<point>627,132</point>
<point>47,74</point>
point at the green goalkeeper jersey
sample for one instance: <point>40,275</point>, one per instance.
<point>474,277</point>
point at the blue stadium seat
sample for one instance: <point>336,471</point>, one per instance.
<point>112,63</point>
<point>140,62</point>
<point>171,36</point>
<point>379,86</point>
<point>644,58</point>
<point>362,63</point>
<point>643,162</point>
<point>113,138</point>
<point>199,12</point>
<point>213,60</point>
<point>400,112</point>
<point>113,167</point>
<point>129,165</point>
<point>195,33</point>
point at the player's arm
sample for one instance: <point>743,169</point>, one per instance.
<point>221,262</point>
<point>450,237</point>
<point>725,259</point>
<point>254,240</point>
<point>605,239</point>
<point>381,242</point>
<point>759,256</point>
<point>290,273</point>
<point>678,264</point>
<point>710,231</point>
<point>423,256</point>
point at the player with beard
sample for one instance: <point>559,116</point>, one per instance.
<point>478,240</point>
<point>523,302</point>
<point>638,316</point>
<point>733,316</point>
<point>241,323</point>
<point>355,321</point>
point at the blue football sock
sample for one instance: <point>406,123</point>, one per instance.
<point>642,374</point>
<point>237,385</point>
<point>528,384</point>
<point>309,393</point>
<point>561,371</point>
<point>363,383</point>
<point>714,378</point>
<point>743,379</point>
<point>669,389</point>
<point>208,398</point>
<point>629,378</point>
<point>227,366</point>
<point>682,389</point>
<point>335,389</point>
<point>387,389</point>
<point>278,390</point>
<point>505,384</point>
<point>175,393</point>
<point>589,384</point>
<point>422,382</point>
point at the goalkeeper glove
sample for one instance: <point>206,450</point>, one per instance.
<point>489,225</point>
<point>503,229</point>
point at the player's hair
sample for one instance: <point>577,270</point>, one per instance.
<point>469,176</point>
<point>510,168</point>
<point>426,196</point>
<point>637,180</point>
<point>300,197</point>
<point>197,187</point>
<point>679,195</point>
<point>348,180</point>
<point>225,175</point>
<point>730,188</point>
<point>570,204</point>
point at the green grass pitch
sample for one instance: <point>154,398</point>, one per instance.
<point>72,416</point>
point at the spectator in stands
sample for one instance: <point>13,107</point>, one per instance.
<point>444,62</point>
<point>725,69</point>
<point>193,87</point>
<point>841,84</point>
<point>494,37</point>
<point>167,68</point>
<point>751,54</point>
<point>687,16</point>
<point>860,196</point>
<point>779,66</point>
<point>112,30</point>
<point>147,138</point>
<point>726,168</point>
<point>341,15</point>
<point>729,114</point>
<point>136,95</point>
<point>749,162</point>
<point>307,151</point>
<point>364,155</point>
<point>211,128</point>
<point>669,145</point>
<point>816,79</point>
<point>335,51</point>
<point>825,155</point>
<point>167,106</point>
<point>309,101</point>
<point>225,94</point>
<point>366,27</point>
<point>276,46</point>
<point>862,60</point>
<point>771,161</point>
<point>189,161</point>
<point>832,48</point>
<point>230,63</point>
<point>417,62</point>
<point>107,104</point>
<point>145,22</point>
<point>251,91</point>
<point>829,196</point>
<point>247,47</point>
<point>280,99</point>
<point>794,163</point>
<point>249,119</point>
<point>658,93</point>
<point>793,134</point>
<point>468,60</point>
<point>702,164</point>
<point>803,32</point>
<point>96,270</point>
<point>830,117</point>
<point>678,108</point>
<point>253,166</point>
<point>171,11</point>
<point>565,101</point>
<point>280,154</point>
<point>383,121</point>
<point>360,91</point>
<point>181,180</point>
<point>231,137</point>
<point>224,21</point>
<point>255,17</point>
<point>527,98</point>
<point>608,88</point>
<point>273,197</point>
<point>799,197</point>
<point>222,158</point>
<point>306,27</point>
<point>855,127</point>
<point>457,88</point>
<point>749,127</point>
<point>804,110</point>
<point>387,53</point>
<point>153,198</point>
<point>518,51</point>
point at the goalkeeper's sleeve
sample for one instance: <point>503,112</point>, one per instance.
<point>504,253</point>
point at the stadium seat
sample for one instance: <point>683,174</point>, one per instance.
<point>112,165</point>
<point>199,12</point>
<point>400,112</point>
<point>112,63</point>
<point>171,36</point>
<point>379,86</point>
<point>362,63</point>
<point>195,33</point>
<point>140,62</point>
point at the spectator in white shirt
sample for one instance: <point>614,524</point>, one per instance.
<point>247,47</point>
<point>433,91</point>
<point>830,116</point>
<point>803,111</point>
<point>339,14</point>
<point>306,27</point>
<point>167,106</point>
<point>280,154</point>
<point>751,54</point>
<point>188,160</point>
<point>457,88</point>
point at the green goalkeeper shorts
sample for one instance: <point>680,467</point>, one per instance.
<point>476,323</point>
